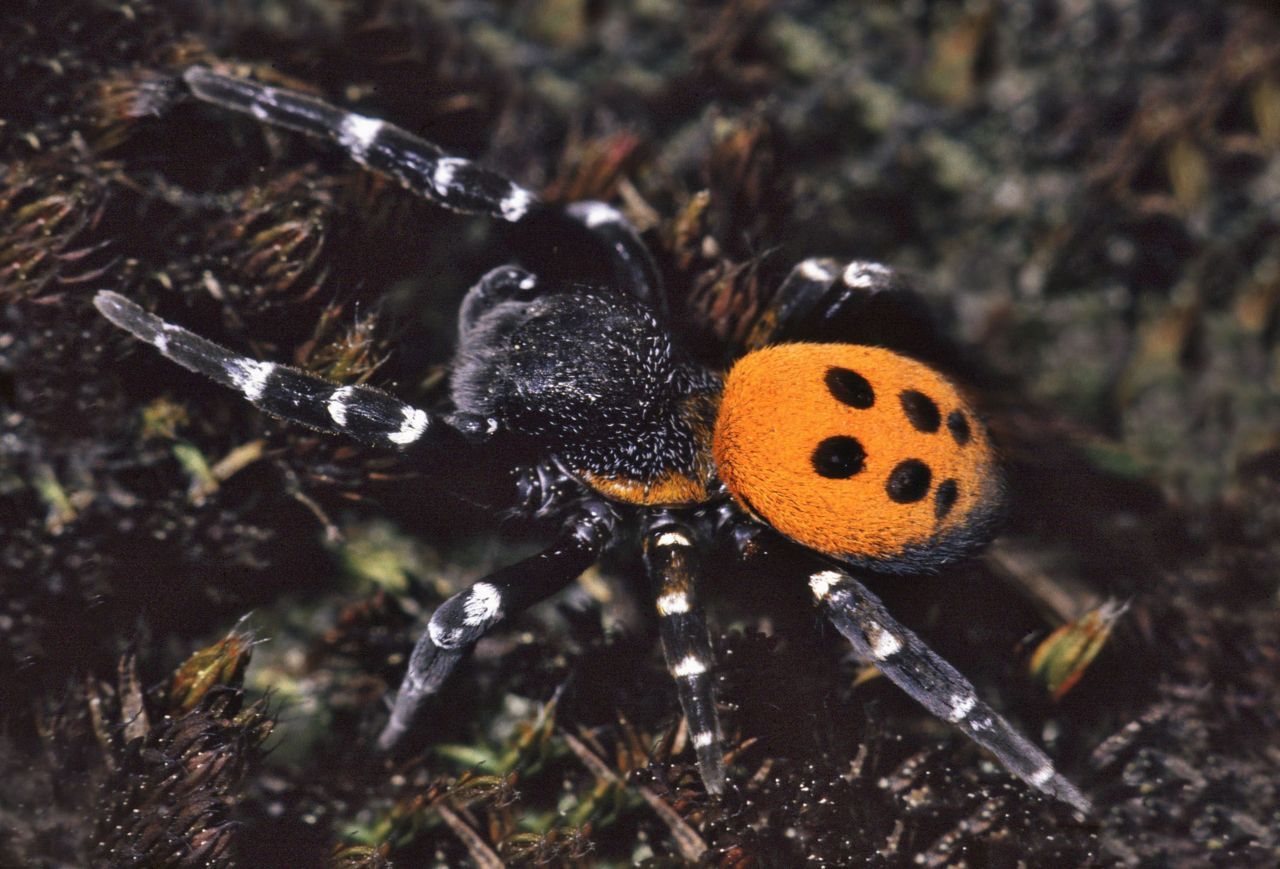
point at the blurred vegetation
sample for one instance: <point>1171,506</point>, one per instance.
<point>1089,191</point>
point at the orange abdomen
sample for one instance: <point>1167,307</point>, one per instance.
<point>857,452</point>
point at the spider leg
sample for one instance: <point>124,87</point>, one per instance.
<point>634,270</point>
<point>426,170</point>
<point>634,273</point>
<point>362,412</point>
<point>672,562</point>
<point>502,284</point>
<point>459,623</point>
<point>855,302</point>
<point>915,668</point>
<point>418,165</point>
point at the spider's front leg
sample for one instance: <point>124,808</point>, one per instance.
<point>672,562</point>
<point>911,665</point>
<point>362,412</point>
<point>632,266</point>
<point>418,165</point>
<point>452,182</point>
<point>459,623</point>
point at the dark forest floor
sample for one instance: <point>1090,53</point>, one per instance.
<point>1089,191</point>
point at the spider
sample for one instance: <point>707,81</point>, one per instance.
<point>865,460</point>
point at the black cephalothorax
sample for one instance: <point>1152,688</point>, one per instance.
<point>577,398</point>
<point>594,379</point>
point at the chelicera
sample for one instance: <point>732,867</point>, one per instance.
<point>580,404</point>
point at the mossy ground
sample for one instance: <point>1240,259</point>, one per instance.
<point>1089,191</point>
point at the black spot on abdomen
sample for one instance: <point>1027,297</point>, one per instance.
<point>958,425</point>
<point>838,458</point>
<point>945,498</point>
<point>909,481</point>
<point>921,410</point>
<point>851,388</point>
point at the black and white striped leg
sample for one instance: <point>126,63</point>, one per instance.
<point>417,164</point>
<point>459,623</point>
<point>425,169</point>
<point>634,270</point>
<point>855,302</point>
<point>823,287</point>
<point>912,666</point>
<point>362,412</point>
<point>797,300</point>
<point>672,562</point>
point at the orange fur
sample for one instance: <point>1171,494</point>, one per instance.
<point>669,490</point>
<point>676,487</point>
<point>777,408</point>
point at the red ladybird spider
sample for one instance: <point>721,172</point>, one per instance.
<point>588,414</point>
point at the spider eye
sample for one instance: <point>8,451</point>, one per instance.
<point>838,458</point>
<point>857,452</point>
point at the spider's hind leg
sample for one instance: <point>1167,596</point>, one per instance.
<point>855,302</point>
<point>915,668</point>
